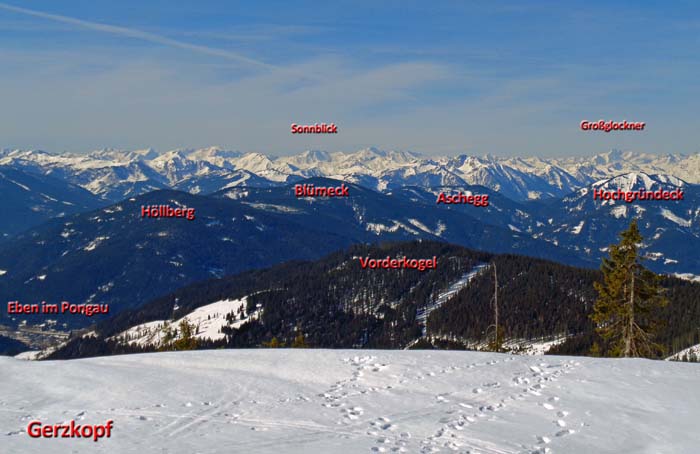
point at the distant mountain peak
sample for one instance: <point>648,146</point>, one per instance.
<point>113,173</point>
<point>633,181</point>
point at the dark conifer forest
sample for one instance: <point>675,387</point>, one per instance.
<point>334,303</point>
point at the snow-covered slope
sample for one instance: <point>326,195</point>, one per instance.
<point>114,173</point>
<point>689,354</point>
<point>111,174</point>
<point>322,401</point>
<point>207,321</point>
<point>604,165</point>
<point>671,228</point>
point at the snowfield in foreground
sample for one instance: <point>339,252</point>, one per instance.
<point>324,401</point>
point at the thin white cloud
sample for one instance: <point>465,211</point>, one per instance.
<point>130,103</point>
<point>138,34</point>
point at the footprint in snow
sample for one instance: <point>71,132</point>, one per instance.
<point>491,407</point>
<point>383,424</point>
<point>544,440</point>
<point>353,413</point>
<point>521,380</point>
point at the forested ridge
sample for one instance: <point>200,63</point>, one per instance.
<point>680,322</point>
<point>334,303</point>
<point>536,298</point>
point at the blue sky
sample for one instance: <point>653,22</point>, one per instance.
<point>506,78</point>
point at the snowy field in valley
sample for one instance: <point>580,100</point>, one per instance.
<point>326,401</point>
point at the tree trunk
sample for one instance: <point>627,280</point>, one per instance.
<point>630,320</point>
<point>496,342</point>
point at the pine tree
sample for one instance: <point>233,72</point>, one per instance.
<point>168,337</point>
<point>628,298</point>
<point>299,341</point>
<point>496,343</point>
<point>274,343</point>
<point>187,341</point>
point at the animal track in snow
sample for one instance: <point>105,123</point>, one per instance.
<point>353,413</point>
<point>387,440</point>
<point>544,372</point>
<point>382,424</point>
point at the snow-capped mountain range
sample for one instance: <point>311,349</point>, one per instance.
<point>116,174</point>
<point>537,207</point>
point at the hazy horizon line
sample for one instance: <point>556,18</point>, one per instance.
<point>420,154</point>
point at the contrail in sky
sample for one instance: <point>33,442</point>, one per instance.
<point>138,34</point>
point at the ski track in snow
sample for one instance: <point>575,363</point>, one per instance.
<point>352,401</point>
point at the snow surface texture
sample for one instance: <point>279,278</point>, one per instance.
<point>323,401</point>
